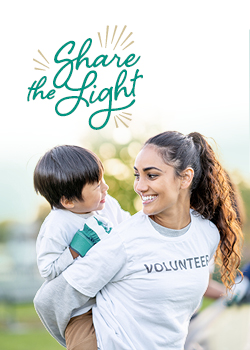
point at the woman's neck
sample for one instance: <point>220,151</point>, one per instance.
<point>174,219</point>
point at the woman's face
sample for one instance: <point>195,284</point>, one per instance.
<point>156,183</point>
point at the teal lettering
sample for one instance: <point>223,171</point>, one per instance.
<point>79,98</point>
<point>109,110</point>
<point>34,88</point>
<point>129,59</point>
<point>68,62</point>
<point>81,54</point>
<point>118,84</point>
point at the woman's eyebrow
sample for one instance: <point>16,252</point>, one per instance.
<point>149,168</point>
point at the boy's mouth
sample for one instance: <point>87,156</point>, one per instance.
<point>103,200</point>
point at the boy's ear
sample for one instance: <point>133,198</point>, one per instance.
<point>67,203</point>
<point>187,177</point>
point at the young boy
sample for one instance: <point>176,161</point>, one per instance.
<point>71,180</point>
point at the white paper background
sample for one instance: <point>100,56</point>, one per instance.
<point>195,63</point>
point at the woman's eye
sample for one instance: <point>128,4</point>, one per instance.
<point>136,176</point>
<point>152,176</point>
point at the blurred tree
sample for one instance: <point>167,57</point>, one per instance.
<point>245,194</point>
<point>118,161</point>
<point>5,230</point>
<point>42,211</point>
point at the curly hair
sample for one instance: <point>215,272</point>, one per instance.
<point>212,193</point>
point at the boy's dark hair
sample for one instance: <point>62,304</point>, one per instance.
<point>64,171</point>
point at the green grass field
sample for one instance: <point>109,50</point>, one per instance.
<point>21,329</point>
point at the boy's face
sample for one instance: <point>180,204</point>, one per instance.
<point>93,198</point>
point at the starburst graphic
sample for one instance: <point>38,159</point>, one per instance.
<point>40,62</point>
<point>118,40</point>
<point>123,116</point>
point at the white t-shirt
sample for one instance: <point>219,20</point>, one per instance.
<point>58,230</point>
<point>149,284</point>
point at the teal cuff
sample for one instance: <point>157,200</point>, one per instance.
<point>81,244</point>
<point>84,240</point>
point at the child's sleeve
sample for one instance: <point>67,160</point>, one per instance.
<point>54,303</point>
<point>52,258</point>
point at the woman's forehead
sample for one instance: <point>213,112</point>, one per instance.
<point>149,156</point>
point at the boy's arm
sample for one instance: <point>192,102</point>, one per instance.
<point>53,258</point>
<point>54,303</point>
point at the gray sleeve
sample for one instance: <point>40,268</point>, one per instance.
<point>54,303</point>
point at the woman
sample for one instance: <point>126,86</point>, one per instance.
<point>149,275</point>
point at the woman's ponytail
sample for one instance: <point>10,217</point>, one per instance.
<point>215,198</point>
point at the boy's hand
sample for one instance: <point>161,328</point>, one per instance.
<point>73,253</point>
<point>93,230</point>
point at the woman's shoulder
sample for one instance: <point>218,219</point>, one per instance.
<point>200,219</point>
<point>207,226</point>
<point>132,222</point>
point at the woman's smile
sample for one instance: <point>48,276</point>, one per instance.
<point>156,182</point>
<point>146,199</point>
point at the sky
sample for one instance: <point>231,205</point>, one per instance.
<point>194,58</point>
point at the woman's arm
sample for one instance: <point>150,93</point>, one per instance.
<point>215,290</point>
<point>99,266</point>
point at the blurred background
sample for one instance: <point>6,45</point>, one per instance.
<point>20,327</point>
<point>195,66</point>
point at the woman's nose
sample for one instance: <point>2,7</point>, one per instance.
<point>140,185</point>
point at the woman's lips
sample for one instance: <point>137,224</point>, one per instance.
<point>148,199</point>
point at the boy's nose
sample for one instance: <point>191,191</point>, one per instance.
<point>105,187</point>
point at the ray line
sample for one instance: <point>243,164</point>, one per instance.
<point>39,69</point>
<point>120,37</point>
<point>40,63</point>
<point>127,38</point>
<point>100,38</point>
<point>128,45</point>
<point>114,34</point>
<point>107,32</point>
<point>126,113</point>
<point>125,117</point>
<point>43,56</point>
<point>116,122</point>
<point>122,122</point>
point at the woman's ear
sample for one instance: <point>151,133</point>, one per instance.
<point>67,203</point>
<point>187,177</point>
